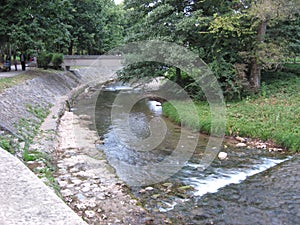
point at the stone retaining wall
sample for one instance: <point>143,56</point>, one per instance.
<point>44,90</point>
<point>41,91</point>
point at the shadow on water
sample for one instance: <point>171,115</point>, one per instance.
<point>250,187</point>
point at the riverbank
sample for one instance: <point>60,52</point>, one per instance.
<point>269,121</point>
<point>37,128</point>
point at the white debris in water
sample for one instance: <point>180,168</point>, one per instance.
<point>169,206</point>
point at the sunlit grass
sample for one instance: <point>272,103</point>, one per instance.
<point>275,115</point>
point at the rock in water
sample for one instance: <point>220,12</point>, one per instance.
<point>222,155</point>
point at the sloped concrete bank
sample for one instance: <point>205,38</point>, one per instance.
<point>88,184</point>
<point>42,91</point>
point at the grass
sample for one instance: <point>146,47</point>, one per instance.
<point>8,82</point>
<point>273,116</point>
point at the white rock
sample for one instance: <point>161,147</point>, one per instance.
<point>85,189</point>
<point>76,181</point>
<point>261,146</point>
<point>142,191</point>
<point>240,139</point>
<point>80,206</point>
<point>222,155</point>
<point>240,145</point>
<point>90,213</point>
<point>66,193</point>
<point>149,189</point>
<point>62,183</point>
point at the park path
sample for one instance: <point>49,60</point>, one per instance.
<point>12,73</point>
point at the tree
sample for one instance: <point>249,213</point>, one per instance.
<point>267,12</point>
<point>88,26</point>
<point>231,36</point>
<point>193,24</point>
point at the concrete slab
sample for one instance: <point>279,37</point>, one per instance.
<point>25,199</point>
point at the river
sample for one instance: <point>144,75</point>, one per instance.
<point>252,186</point>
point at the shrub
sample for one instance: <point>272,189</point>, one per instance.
<point>44,60</point>
<point>57,60</point>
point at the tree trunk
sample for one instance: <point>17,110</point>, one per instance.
<point>255,75</point>
<point>70,50</point>
<point>255,67</point>
<point>178,76</point>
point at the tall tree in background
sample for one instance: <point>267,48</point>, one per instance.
<point>267,13</point>
<point>89,27</point>
<point>224,33</point>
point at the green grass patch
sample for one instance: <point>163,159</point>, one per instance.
<point>8,82</point>
<point>274,115</point>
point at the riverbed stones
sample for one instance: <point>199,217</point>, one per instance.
<point>241,145</point>
<point>91,184</point>
<point>222,155</point>
<point>149,189</point>
<point>240,139</point>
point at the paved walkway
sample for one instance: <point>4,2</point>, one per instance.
<point>25,199</point>
<point>12,73</point>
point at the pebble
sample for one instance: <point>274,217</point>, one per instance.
<point>261,146</point>
<point>66,193</point>
<point>90,214</point>
<point>222,155</point>
<point>240,145</point>
<point>149,189</point>
<point>80,206</point>
<point>62,183</point>
<point>240,139</point>
<point>142,191</point>
<point>85,189</point>
<point>76,181</point>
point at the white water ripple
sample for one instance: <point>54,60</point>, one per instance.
<point>213,182</point>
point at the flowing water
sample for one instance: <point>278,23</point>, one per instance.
<point>251,187</point>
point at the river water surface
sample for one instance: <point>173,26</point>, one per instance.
<point>251,187</point>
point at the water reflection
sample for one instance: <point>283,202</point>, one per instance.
<point>220,186</point>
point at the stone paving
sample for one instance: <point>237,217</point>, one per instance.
<point>87,182</point>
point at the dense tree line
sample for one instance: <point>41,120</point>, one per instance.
<point>68,26</point>
<point>237,38</point>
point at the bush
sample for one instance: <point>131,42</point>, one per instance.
<point>57,60</point>
<point>44,60</point>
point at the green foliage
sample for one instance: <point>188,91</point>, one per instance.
<point>200,122</point>
<point>292,68</point>
<point>272,116</point>
<point>6,145</point>
<point>257,34</point>
<point>61,26</point>
<point>57,60</point>
<point>44,60</point>
<point>39,112</point>
<point>226,75</point>
<point>29,156</point>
